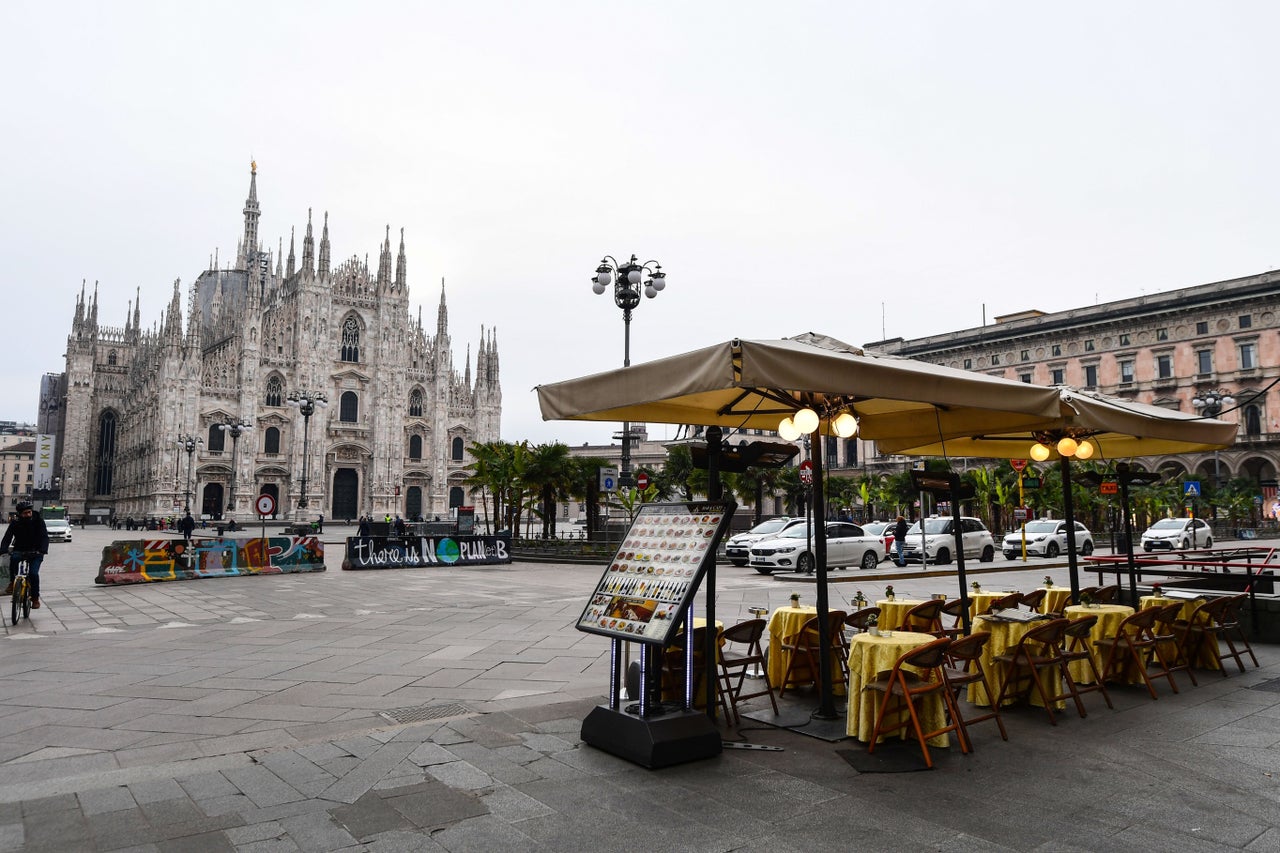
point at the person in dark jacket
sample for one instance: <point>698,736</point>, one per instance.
<point>28,538</point>
<point>187,525</point>
<point>900,538</point>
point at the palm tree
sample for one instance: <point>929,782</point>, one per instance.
<point>547,477</point>
<point>492,471</point>
<point>673,481</point>
<point>584,486</point>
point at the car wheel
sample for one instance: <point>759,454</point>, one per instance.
<point>943,558</point>
<point>1051,550</point>
<point>738,562</point>
<point>988,554</point>
<point>1208,542</point>
<point>1184,545</point>
<point>870,560</point>
<point>1011,555</point>
<point>764,570</point>
<point>805,563</point>
<point>1087,547</point>
<point>1146,547</point>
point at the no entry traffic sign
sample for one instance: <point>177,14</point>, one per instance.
<point>642,481</point>
<point>806,472</point>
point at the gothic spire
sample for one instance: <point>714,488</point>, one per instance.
<point>249,245</point>
<point>401,283</point>
<point>280,260</point>
<point>308,249</point>
<point>384,261</point>
<point>323,267</point>
<point>290,269</point>
<point>442,316</point>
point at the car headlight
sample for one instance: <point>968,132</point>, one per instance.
<point>785,550</point>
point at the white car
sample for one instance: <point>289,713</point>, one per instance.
<point>738,548</point>
<point>884,530</point>
<point>847,545</point>
<point>1177,534</point>
<point>940,543</point>
<point>59,529</point>
<point>1047,537</point>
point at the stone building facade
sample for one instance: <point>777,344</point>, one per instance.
<point>392,439</point>
<point>1167,349</point>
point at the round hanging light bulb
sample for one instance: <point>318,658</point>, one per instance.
<point>634,276</point>
<point>649,291</point>
<point>806,420</point>
<point>659,280</point>
<point>1067,446</point>
<point>1084,451</point>
<point>845,425</point>
<point>1039,452</point>
<point>598,288</point>
<point>787,430</point>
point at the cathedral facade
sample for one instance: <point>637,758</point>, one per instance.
<point>196,411</point>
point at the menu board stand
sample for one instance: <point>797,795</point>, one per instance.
<point>645,596</point>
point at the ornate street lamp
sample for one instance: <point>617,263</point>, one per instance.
<point>1210,404</point>
<point>189,443</point>
<point>306,402</point>
<point>233,427</point>
<point>628,280</point>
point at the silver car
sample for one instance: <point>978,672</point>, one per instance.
<point>847,545</point>
<point>738,548</point>
<point>1047,537</point>
<point>1177,534</point>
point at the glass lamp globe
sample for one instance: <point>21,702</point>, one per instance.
<point>634,276</point>
<point>787,430</point>
<point>1084,451</point>
<point>806,420</point>
<point>845,425</point>
<point>1039,452</point>
<point>598,288</point>
<point>1067,446</point>
<point>659,281</point>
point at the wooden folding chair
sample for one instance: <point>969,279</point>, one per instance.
<point>736,662</point>
<point>1222,622</point>
<point>925,617</point>
<point>1032,599</point>
<point>1134,645</point>
<point>965,655</point>
<point>1172,636</point>
<point>1037,656</point>
<point>1078,636</point>
<point>902,687</point>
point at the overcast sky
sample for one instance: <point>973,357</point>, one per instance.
<point>863,170</point>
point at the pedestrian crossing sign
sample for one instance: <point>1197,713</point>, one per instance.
<point>1191,489</point>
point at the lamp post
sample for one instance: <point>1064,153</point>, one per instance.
<point>1210,404</point>
<point>628,281</point>
<point>233,427</point>
<point>306,402</point>
<point>189,443</point>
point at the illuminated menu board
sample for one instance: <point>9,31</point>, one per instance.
<point>656,571</point>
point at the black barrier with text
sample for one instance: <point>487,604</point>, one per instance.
<point>415,552</point>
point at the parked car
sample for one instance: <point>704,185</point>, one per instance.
<point>883,529</point>
<point>1047,537</point>
<point>847,545</point>
<point>59,529</point>
<point>1177,534</point>
<point>738,548</point>
<point>940,543</point>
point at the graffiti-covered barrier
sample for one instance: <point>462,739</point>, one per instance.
<point>415,552</point>
<point>147,560</point>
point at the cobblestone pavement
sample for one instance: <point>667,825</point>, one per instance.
<point>440,710</point>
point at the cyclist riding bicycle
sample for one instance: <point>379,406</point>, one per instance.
<point>30,540</point>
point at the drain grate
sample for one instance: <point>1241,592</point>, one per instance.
<point>1270,686</point>
<point>425,712</point>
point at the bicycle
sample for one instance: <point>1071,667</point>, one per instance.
<point>21,602</point>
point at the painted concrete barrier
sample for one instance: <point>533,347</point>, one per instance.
<point>416,552</point>
<point>149,560</point>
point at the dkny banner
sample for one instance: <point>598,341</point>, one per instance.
<point>415,552</point>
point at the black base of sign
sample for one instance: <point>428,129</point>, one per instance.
<point>673,738</point>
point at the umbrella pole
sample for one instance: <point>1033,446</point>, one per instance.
<point>1127,518</point>
<point>1069,515</point>
<point>957,534</point>
<point>826,701</point>
<point>710,656</point>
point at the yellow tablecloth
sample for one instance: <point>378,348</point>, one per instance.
<point>784,624</point>
<point>1109,618</point>
<point>1055,598</point>
<point>893,612</point>
<point>1206,658</point>
<point>869,656</point>
<point>980,601</point>
<point>1004,636</point>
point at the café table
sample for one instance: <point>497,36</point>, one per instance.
<point>673,688</point>
<point>870,655</point>
<point>1206,658</point>
<point>892,613</point>
<point>1109,618</point>
<point>1055,598</point>
<point>784,624</point>
<point>981,600</point>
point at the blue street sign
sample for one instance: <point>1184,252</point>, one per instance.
<point>1191,488</point>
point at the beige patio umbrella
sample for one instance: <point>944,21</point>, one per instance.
<point>1104,428</point>
<point>753,384</point>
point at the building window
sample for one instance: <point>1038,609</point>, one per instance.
<point>349,407</point>
<point>1091,376</point>
<point>415,447</point>
<point>1126,372</point>
<point>850,452</point>
<point>216,442</point>
<point>1124,339</point>
<point>455,497</point>
<point>457,449</point>
<point>271,440</point>
<point>350,340</point>
<point>1204,361</point>
<point>1025,355</point>
<point>1248,355</point>
<point>1246,321</point>
<point>1057,349</point>
<point>1164,367</point>
<point>1025,377</point>
<point>968,363</point>
<point>111,357</point>
<point>415,404</point>
<point>1252,420</point>
<point>1057,376</point>
<point>1088,346</point>
<point>1162,334</point>
<point>995,358</point>
<point>1202,327</point>
<point>105,459</point>
<point>275,392</point>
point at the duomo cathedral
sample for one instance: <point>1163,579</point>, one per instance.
<point>196,410</point>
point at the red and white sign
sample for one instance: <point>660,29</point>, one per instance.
<point>1018,464</point>
<point>265,504</point>
<point>642,481</point>
<point>806,472</point>
<point>1108,487</point>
